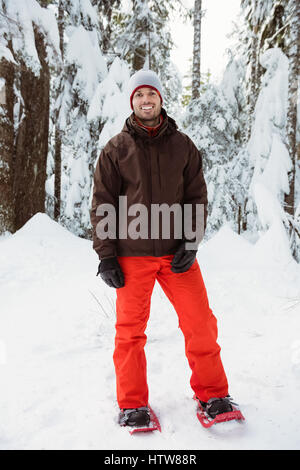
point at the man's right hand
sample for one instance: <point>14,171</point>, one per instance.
<point>111,273</point>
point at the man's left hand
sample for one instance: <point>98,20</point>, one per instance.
<point>183,259</point>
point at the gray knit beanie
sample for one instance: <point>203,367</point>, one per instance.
<point>144,78</point>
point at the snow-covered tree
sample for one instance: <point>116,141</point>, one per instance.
<point>108,13</point>
<point>7,71</point>
<point>55,171</point>
<point>267,146</point>
<point>214,122</point>
<point>29,41</point>
<point>293,119</point>
<point>84,68</point>
<point>272,126</point>
<point>197,49</point>
<point>146,35</point>
<point>144,41</point>
<point>254,13</point>
<point>110,102</point>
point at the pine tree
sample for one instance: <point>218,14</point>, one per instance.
<point>84,68</point>
<point>30,34</point>
<point>32,138</point>
<point>144,41</point>
<point>110,101</point>
<point>197,49</point>
<point>214,122</point>
<point>274,32</point>
<point>145,38</point>
<point>267,145</point>
<point>255,13</point>
<point>274,28</point>
<point>277,28</point>
<point>7,72</point>
<point>58,132</point>
<point>108,11</point>
<point>291,128</point>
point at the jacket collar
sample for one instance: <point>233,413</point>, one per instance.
<point>152,131</point>
<point>167,126</point>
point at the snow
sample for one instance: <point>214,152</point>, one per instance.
<point>6,53</point>
<point>83,51</point>
<point>275,175</point>
<point>27,15</point>
<point>57,335</point>
<point>82,10</point>
<point>271,105</point>
<point>267,146</point>
<point>2,94</point>
<point>111,102</point>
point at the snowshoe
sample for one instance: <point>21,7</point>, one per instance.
<point>217,410</point>
<point>141,419</point>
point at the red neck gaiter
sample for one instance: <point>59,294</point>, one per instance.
<point>152,131</point>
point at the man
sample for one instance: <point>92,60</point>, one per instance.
<point>151,162</point>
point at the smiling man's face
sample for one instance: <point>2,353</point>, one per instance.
<point>147,106</point>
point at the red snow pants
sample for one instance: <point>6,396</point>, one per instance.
<point>187,293</point>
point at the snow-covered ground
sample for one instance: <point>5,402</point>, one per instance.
<point>57,334</point>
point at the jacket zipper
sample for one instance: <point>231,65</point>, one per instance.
<point>151,195</point>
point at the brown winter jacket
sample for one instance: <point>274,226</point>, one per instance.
<point>165,168</point>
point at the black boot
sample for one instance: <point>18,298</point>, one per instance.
<point>216,406</point>
<point>136,417</point>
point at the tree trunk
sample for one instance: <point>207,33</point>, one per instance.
<point>254,89</point>
<point>139,58</point>
<point>140,51</point>
<point>197,50</point>
<point>32,140</point>
<point>294,58</point>
<point>58,131</point>
<point>7,100</point>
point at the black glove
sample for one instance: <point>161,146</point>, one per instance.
<point>183,259</point>
<point>111,273</point>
